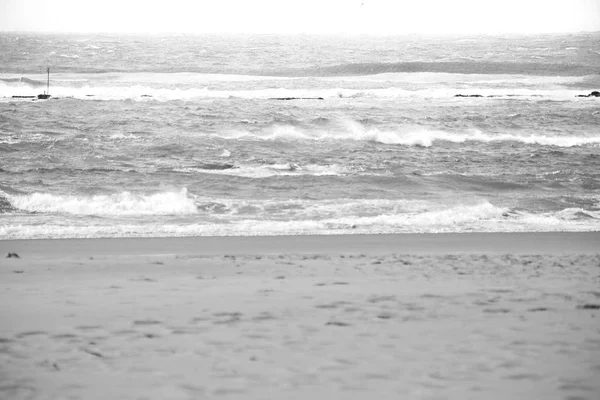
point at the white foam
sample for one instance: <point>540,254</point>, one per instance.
<point>122,136</point>
<point>144,88</point>
<point>480,217</point>
<point>437,219</point>
<point>404,135</point>
<point>124,203</point>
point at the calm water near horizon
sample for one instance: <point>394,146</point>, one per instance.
<point>182,135</point>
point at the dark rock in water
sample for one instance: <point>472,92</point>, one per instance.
<point>146,95</point>
<point>496,95</point>
<point>296,98</point>
<point>595,93</point>
<point>12,255</point>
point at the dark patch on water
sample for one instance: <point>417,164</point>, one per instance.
<point>5,205</point>
<point>213,207</point>
<point>216,166</point>
<point>30,333</point>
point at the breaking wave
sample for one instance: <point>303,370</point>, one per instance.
<point>482,217</point>
<point>197,86</point>
<point>140,92</point>
<point>408,136</point>
<point>125,203</point>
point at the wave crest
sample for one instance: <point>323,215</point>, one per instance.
<point>125,203</point>
<point>403,135</point>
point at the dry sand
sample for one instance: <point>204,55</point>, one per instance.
<point>464,316</point>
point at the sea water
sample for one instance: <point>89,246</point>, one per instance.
<point>188,135</point>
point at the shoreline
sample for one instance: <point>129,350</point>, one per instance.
<point>419,243</point>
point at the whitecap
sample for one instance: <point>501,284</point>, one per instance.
<point>123,203</point>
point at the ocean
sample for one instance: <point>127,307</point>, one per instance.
<point>206,135</point>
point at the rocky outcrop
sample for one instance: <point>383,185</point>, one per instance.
<point>595,93</point>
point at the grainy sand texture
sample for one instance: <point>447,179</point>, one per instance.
<point>459,317</point>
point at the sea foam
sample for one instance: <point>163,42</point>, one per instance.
<point>124,203</point>
<point>80,87</point>
<point>404,135</point>
<point>482,217</point>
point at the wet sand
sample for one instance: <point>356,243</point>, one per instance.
<point>486,316</point>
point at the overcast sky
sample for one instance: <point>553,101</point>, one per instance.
<point>301,16</point>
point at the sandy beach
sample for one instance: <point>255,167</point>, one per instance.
<point>447,316</point>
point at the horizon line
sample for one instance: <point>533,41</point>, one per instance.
<point>387,34</point>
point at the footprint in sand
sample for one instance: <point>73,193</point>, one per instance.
<point>30,333</point>
<point>124,332</point>
<point>537,309</point>
<point>61,336</point>
<point>87,328</point>
<point>196,320</point>
<point>147,322</point>
<point>227,317</point>
<point>380,299</point>
<point>589,307</point>
<point>264,316</point>
<point>337,323</point>
<point>335,304</point>
<point>496,310</point>
<point>142,279</point>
